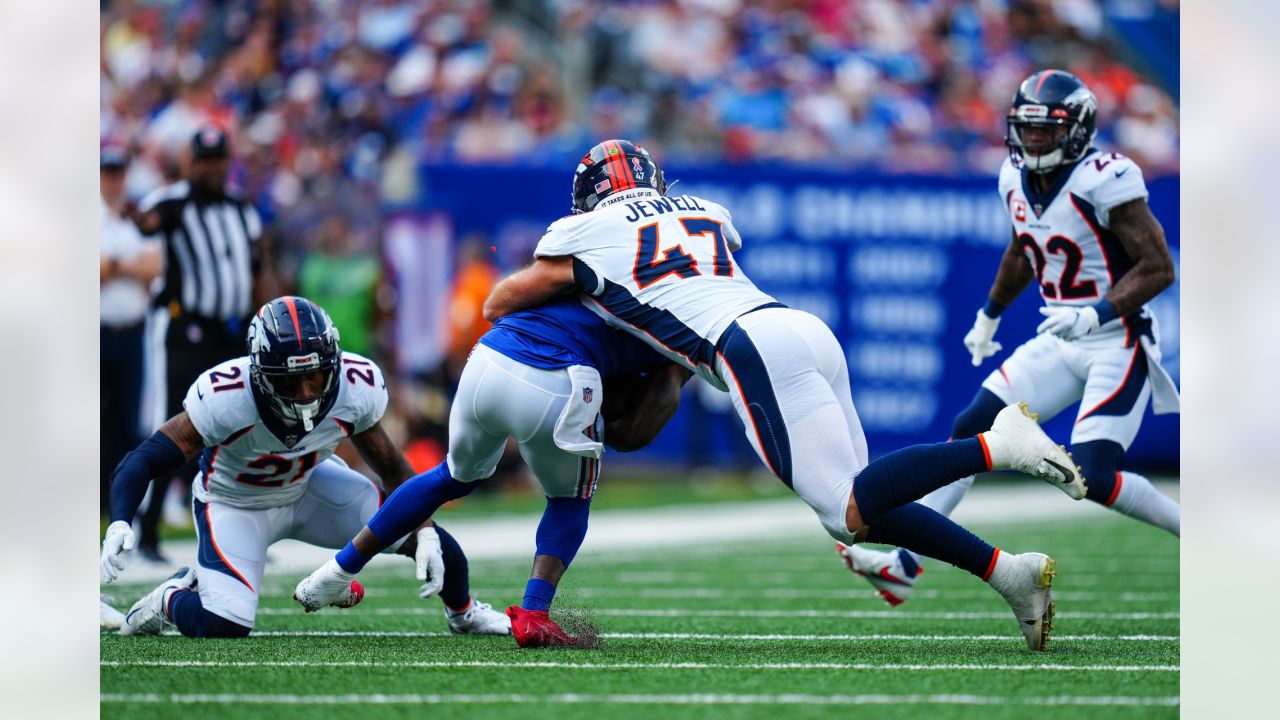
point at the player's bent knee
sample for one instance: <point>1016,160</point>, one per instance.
<point>977,418</point>
<point>1099,460</point>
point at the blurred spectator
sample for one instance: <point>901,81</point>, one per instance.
<point>474,279</point>
<point>328,92</point>
<point>128,263</point>
<point>344,279</point>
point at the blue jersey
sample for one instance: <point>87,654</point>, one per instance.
<point>563,333</point>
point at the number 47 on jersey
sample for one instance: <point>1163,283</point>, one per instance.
<point>654,263</point>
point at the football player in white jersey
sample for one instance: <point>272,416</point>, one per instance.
<point>265,427</point>
<point>662,268</point>
<point>1083,232</point>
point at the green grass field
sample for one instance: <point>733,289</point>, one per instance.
<point>769,629</point>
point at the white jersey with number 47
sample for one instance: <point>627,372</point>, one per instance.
<point>661,268</point>
<point>1066,232</point>
<point>244,464</point>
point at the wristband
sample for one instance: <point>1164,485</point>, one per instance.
<point>993,309</point>
<point>1106,312</point>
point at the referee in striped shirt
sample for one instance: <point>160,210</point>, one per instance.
<point>213,282</point>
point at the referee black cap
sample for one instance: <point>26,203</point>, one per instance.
<point>209,142</point>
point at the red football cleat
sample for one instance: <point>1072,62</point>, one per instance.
<point>354,598</point>
<point>534,628</point>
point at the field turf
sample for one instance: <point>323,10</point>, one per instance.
<point>762,629</point>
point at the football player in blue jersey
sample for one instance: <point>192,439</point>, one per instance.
<point>537,376</point>
<point>265,427</point>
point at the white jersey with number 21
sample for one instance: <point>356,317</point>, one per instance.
<point>244,464</point>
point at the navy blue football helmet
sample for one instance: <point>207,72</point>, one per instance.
<point>614,166</point>
<point>291,338</point>
<point>1051,99</point>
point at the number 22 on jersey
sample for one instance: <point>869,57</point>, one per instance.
<point>653,263</point>
<point>1067,287</point>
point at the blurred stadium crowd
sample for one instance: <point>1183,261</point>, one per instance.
<point>332,104</point>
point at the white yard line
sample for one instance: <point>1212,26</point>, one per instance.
<point>708,699</point>
<point>711,593</point>
<point>844,614</point>
<point>506,665</point>
<point>808,637</point>
<point>688,527</point>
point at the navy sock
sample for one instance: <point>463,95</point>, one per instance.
<point>456,593</point>
<point>538,594</point>
<point>913,472</point>
<point>977,418</point>
<point>408,507</point>
<point>188,613</point>
<point>928,532</point>
<point>1099,460</point>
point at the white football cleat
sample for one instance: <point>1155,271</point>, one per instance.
<point>329,585</point>
<point>147,617</point>
<point>882,569</point>
<point>1016,442</point>
<point>111,618</point>
<point>479,619</point>
<point>1024,582</point>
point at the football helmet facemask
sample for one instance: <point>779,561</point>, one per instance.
<point>291,340</point>
<point>1052,121</point>
<point>614,166</point>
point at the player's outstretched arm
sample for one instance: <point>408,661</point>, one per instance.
<point>656,401</point>
<point>383,456</point>
<point>1143,238</point>
<point>530,287</point>
<point>164,452</point>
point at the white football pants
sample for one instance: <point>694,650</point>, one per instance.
<point>499,397</point>
<point>789,381</point>
<point>233,541</point>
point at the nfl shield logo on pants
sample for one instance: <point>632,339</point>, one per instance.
<point>586,394</point>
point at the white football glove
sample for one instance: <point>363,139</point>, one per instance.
<point>430,558</point>
<point>119,540</point>
<point>978,339</point>
<point>1068,323</point>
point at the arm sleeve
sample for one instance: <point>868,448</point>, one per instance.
<point>156,456</point>
<point>1121,183</point>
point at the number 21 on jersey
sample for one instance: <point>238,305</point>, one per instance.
<point>653,263</point>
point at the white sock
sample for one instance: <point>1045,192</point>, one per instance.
<point>1138,498</point>
<point>944,500</point>
<point>1000,573</point>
